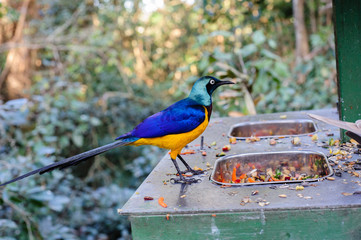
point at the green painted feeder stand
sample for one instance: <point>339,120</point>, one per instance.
<point>328,209</point>
<point>347,22</point>
<point>208,211</point>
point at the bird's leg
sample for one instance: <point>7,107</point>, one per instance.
<point>189,169</point>
<point>181,178</point>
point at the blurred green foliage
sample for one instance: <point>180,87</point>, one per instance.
<point>103,66</point>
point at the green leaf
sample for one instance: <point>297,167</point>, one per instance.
<point>282,70</point>
<point>7,238</point>
<point>258,37</point>
<point>248,50</point>
<point>45,150</point>
<point>95,121</point>
<point>270,54</point>
<point>222,56</point>
<point>6,223</point>
<point>316,40</point>
<point>263,64</point>
<point>201,40</point>
<point>41,196</point>
<point>58,203</point>
<point>221,33</point>
<point>77,139</point>
<point>64,141</point>
<point>272,43</point>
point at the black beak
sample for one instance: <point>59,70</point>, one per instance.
<point>223,83</point>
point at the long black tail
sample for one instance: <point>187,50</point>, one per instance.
<point>74,160</point>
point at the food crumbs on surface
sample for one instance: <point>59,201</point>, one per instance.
<point>299,188</point>
<point>214,143</point>
<point>148,198</point>
<point>226,148</point>
<point>299,195</point>
<point>183,196</point>
<point>204,153</point>
<point>233,140</point>
<point>282,195</point>
<point>283,116</point>
<point>188,151</point>
<point>253,139</point>
<point>161,202</point>
<point>197,168</point>
<point>187,175</point>
<point>314,138</point>
<point>331,142</point>
<point>296,141</point>
<point>208,164</point>
<point>245,200</point>
<point>221,154</point>
<point>137,193</point>
<point>232,193</point>
<point>272,142</point>
<point>255,192</point>
<point>331,178</point>
<point>353,141</point>
<point>347,194</point>
<point>307,197</point>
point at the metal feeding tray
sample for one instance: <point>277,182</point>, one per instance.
<point>276,128</point>
<point>271,167</point>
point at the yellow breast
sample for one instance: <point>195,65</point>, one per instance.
<point>175,142</point>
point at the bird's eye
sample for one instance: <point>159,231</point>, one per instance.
<point>212,81</point>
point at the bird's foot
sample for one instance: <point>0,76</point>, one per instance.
<point>185,180</point>
<point>189,169</point>
<point>193,172</point>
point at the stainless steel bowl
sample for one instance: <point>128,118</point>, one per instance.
<point>276,128</point>
<point>310,163</point>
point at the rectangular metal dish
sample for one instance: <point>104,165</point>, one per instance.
<point>288,166</point>
<point>276,128</point>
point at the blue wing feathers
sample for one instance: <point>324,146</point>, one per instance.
<point>181,117</point>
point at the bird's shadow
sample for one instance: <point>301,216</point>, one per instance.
<point>181,197</point>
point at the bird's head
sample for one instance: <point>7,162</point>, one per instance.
<point>204,87</point>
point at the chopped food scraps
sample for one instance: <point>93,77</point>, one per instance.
<point>273,171</point>
<point>161,202</point>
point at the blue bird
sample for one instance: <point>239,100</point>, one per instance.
<point>173,128</point>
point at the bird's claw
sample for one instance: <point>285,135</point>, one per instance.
<point>185,180</point>
<point>194,172</point>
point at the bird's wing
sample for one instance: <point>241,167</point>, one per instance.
<point>344,125</point>
<point>181,117</point>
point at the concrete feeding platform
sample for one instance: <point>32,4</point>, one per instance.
<point>323,210</point>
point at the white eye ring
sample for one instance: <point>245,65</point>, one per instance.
<point>212,81</point>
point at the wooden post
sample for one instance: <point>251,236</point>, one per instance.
<point>347,23</point>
